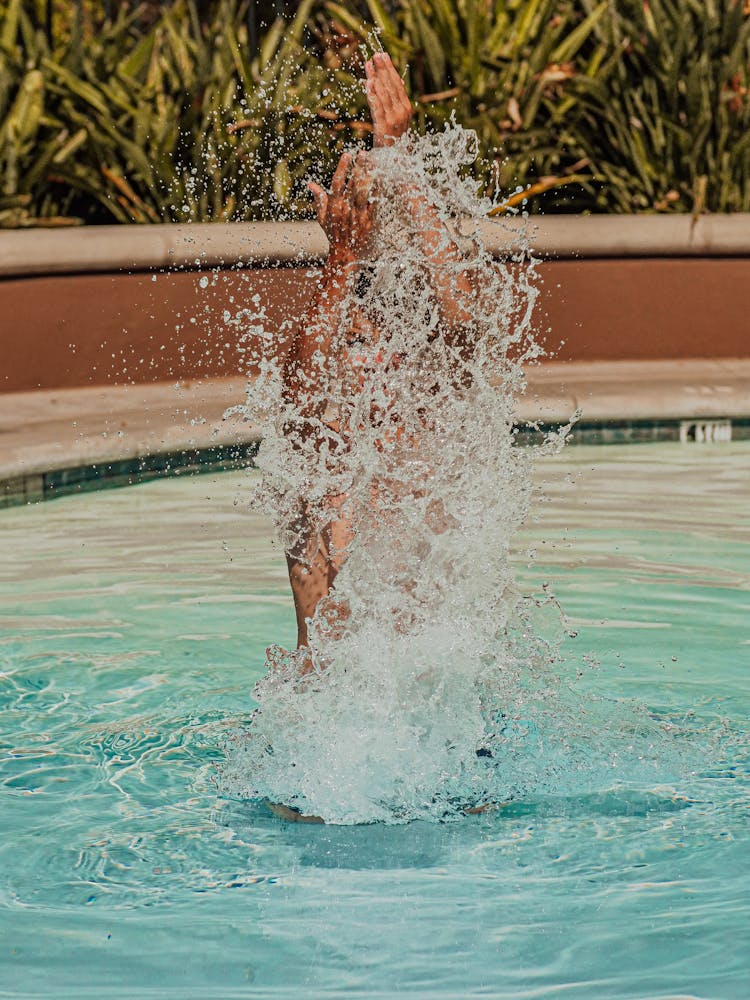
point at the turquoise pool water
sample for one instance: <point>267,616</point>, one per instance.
<point>133,624</point>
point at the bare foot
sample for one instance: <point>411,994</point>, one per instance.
<point>484,808</point>
<point>292,815</point>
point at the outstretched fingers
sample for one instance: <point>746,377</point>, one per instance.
<point>394,86</point>
<point>374,99</point>
<point>389,103</point>
<point>360,184</point>
<point>348,179</point>
<point>345,213</point>
<point>341,175</point>
<point>321,201</point>
<point>381,79</point>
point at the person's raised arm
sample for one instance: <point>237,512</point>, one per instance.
<point>391,113</point>
<point>346,218</point>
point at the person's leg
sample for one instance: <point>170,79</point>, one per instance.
<point>333,612</point>
<point>338,536</point>
<point>308,567</point>
<point>313,565</point>
<point>309,584</point>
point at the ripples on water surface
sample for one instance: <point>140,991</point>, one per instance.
<point>132,627</point>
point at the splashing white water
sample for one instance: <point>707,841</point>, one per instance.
<point>430,691</point>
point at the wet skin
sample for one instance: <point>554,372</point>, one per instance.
<point>347,217</point>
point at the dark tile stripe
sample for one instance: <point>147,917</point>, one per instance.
<point>23,489</point>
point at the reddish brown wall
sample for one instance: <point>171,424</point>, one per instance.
<point>647,309</point>
<point>93,329</point>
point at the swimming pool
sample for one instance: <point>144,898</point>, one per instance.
<point>133,624</point>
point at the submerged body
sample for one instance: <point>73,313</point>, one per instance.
<point>388,464</point>
<point>338,345</point>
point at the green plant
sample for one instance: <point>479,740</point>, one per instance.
<point>33,141</point>
<point>503,69</point>
<point>605,105</point>
<point>598,105</point>
<point>177,124</point>
<point>666,121</point>
<point>185,126</point>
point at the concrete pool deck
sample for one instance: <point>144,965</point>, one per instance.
<point>61,441</point>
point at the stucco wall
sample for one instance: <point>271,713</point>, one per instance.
<point>72,315</point>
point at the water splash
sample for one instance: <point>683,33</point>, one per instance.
<point>431,690</point>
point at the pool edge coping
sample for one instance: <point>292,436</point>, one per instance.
<point>59,442</point>
<point>174,246</point>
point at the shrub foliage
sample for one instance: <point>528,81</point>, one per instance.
<point>178,112</point>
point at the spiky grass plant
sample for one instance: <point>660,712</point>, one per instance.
<point>33,141</point>
<point>598,105</point>
<point>503,69</point>
<point>187,126</point>
<point>178,124</point>
<point>665,121</point>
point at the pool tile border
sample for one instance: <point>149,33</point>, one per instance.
<point>34,488</point>
<point>18,490</point>
<point>633,431</point>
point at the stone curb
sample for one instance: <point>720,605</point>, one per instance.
<point>110,249</point>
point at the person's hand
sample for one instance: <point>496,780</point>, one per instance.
<point>390,106</point>
<point>346,214</point>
